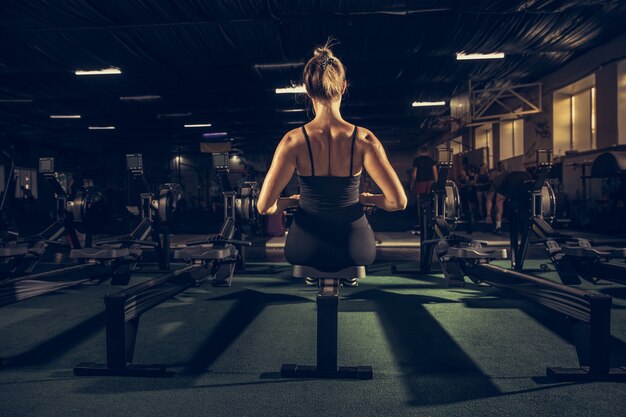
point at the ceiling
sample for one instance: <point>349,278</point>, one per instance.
<point>202,58</point>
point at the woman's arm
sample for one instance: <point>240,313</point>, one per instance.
<point>378,167</point>
<point>278,176</point>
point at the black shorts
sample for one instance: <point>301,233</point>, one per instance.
<point>329,246</point>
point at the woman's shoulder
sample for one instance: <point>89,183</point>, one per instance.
<point>367,138</point>
<point>292,138</point>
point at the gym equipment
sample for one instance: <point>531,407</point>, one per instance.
<point>327,304</point>
<point>87,212</point>
<point>462,257</point>
<point>575,258</point>
<point>241,209</point>
<point>160,212</point>
<point>113,258</point>
<point>124,308</point>
<point>248,217</point>
<point>439,211</point>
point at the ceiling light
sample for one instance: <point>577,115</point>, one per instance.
<point>140,98</point>
<point>428,103</point>
<point>214,135</point>
<point>279,65</point>
<point>65,116</point>
<point>292,110</point>
<point>17,100</point>
<point>104,71</point>
<point>101,127</point>
<point>199,125</point>
<point>166,115</point>
<point>462,56</point>
<point>297,89</point>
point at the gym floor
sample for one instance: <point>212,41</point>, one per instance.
<point>435,351</point>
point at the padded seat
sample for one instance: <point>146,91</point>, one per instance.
<point>301,271</point>
<point>99,253</point>
<point>594,252</point>
<point>469,252</point>
<point>208,253</point>
<point>13,251</point>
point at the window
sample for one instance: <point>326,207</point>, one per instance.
<point>511,139</point>
<point>456,145</point>
<point>621,102</point>
<point>575,117</point>
<point>484,139</point>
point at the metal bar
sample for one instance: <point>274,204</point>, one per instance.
<point>115,330</point>
<point>525,101</point>
<point>327,304</point>
<point>599,333</point>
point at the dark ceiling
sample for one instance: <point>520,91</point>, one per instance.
<point>200,57</point>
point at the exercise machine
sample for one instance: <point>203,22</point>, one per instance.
<point>575,257</point>
<point>211,258</point>
<point>462,257</point>
<point>114,258</point>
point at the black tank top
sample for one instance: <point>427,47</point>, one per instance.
<point>336,198</point>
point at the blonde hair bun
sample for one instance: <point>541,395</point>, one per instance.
<point>324,74</point>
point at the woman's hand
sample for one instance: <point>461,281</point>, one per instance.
<point>284,203</point>
<point>368,199</point>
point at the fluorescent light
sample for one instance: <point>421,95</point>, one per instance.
<point>65,116</point>
<point>199,125</point>
<point>104,71</point>
<point>214,135</point>
<point>17,100</point>
<point>101,127</point>
<point>428,103</point>
<point>166,115</point>
<point>297,89</point>
<point>295,123</point>
<point>292,110</point>
<point>279,65</point>
<point>140,98</point>
<point>462,56</point>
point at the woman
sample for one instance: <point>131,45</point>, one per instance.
<point>329,231</point>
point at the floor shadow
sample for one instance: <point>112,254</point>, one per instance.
<point>572,332</point>
<point>435,368</point>
<point>248,305</point>
<point>53,348</point>
<point>615,292</point>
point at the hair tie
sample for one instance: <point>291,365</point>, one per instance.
<point>326,60</point>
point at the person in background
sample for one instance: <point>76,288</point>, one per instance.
<point>214,195</point>
<point>423,175</point>
<point>467,192</point>
<point>497,180</point>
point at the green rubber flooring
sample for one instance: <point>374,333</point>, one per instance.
<point>435,351</point>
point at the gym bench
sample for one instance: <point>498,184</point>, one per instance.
<point>327,303</point>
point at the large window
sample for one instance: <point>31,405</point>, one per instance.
<point>575,117</point>
<point>484,139</point>
<point>511,138</point>
<point>621,102</point>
